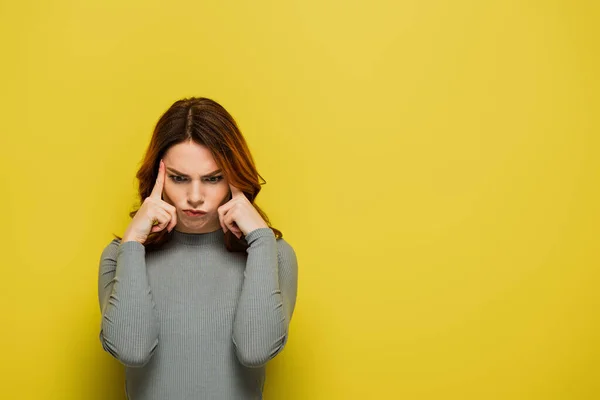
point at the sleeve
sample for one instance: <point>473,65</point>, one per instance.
<point>268,298</point>
<point>129,328</point>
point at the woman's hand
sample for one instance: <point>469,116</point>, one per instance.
<point>153,209</point>
<point>239,215</point>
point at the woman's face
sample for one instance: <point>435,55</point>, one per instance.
<point>194,182</point>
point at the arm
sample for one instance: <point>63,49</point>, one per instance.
<point>267,300</point>
<point>129,328</point>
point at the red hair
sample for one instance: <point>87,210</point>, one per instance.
<point>207,123</point>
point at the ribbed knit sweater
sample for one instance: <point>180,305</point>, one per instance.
<point>193,321</point>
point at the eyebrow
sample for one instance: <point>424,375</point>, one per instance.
<point>182,174</point>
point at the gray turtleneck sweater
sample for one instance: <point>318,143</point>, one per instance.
<point>193,321</point>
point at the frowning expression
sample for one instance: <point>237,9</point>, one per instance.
<point>194,181</point>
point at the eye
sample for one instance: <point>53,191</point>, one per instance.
<point>177,179</point>
<point>216,179</point>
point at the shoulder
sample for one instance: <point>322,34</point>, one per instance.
<point>115,246</point>
<point>110,250</point>
<point>287,267</point>
<point>287,261</point>
<point>285,251</point>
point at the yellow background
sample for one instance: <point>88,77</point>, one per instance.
<point>435,165</point>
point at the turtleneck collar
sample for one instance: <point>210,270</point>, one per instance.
<point>199,239</point>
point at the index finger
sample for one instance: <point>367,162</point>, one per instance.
<point>235,191</point>
<point>160,182</point>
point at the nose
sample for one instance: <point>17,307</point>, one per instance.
<point>195,196</point>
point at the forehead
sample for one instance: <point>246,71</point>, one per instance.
<point>191,158</point>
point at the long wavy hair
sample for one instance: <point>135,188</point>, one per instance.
<point>207,123</point>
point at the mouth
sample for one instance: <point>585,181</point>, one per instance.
<point>194,213</point>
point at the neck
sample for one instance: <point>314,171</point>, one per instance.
<point>198,239</point>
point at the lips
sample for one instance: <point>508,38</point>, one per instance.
<point>194,213</point>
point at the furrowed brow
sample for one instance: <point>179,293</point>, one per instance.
<point>187,176</point>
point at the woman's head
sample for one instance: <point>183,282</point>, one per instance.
<point>194,181</point>
<point>196,137</point>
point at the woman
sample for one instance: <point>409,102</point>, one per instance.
<point>199,292</point>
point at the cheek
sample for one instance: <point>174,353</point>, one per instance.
<point>225,195</point>
<point>170,194</point>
